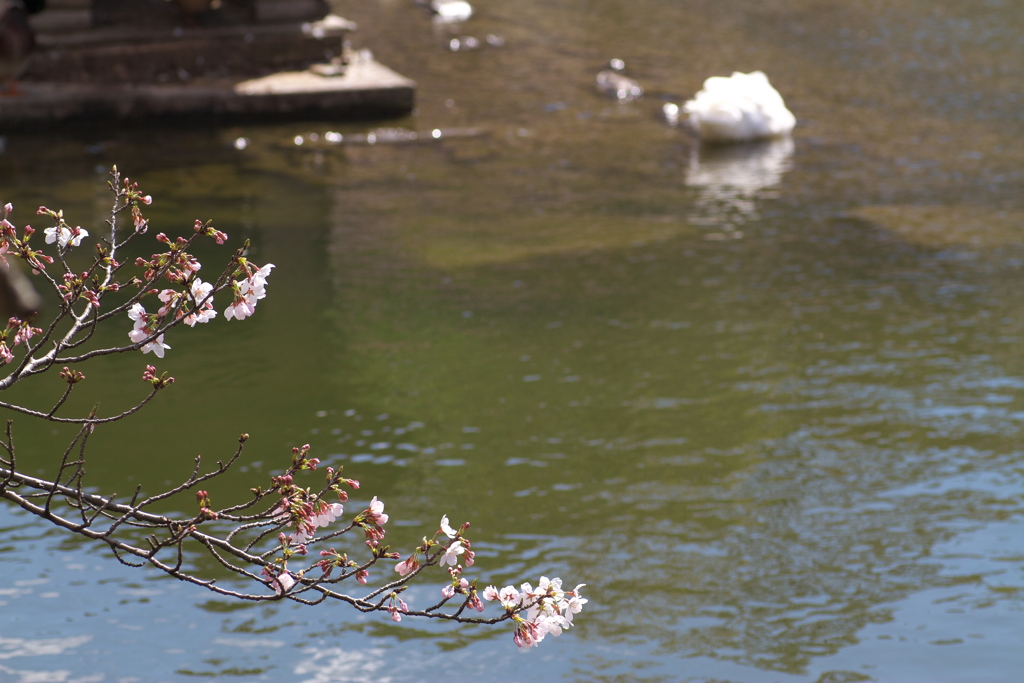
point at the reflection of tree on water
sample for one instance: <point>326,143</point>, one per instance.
<point>731,180</point>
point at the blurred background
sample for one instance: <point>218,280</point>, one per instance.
<point>765,401</point>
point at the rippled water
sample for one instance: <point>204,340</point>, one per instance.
<point>766,403</point>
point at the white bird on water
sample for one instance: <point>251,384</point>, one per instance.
<point>451,11</point>
<point>740,108</point>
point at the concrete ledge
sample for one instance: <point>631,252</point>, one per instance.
<point>367,89</point>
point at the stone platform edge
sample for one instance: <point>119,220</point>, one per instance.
<point>367,89</point>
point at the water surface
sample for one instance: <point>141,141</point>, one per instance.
<point>766,404</point>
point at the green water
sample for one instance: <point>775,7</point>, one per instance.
<point>767,405</point>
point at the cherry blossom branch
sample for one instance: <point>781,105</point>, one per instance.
<point>276,544</point>
<point>78,420</point>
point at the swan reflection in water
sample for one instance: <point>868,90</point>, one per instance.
<point>732,179</point>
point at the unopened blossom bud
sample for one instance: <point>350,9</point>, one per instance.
<point>361,576</point>
<point>408,566</point>
<point>71,376</point>
<point>147,200</point>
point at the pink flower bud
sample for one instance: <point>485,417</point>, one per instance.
<point>408,566</point>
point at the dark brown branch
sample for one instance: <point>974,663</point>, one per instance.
<point>79,420</point>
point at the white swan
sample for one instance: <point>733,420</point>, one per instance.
<point>739,108</point>
<point>451,11</point>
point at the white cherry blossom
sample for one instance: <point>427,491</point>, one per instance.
<point>446,528</point>
<point>64,236</point>
<point>452,552</point>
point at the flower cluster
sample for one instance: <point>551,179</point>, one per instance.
<point>188,298</point>
<point>19,332</point>
<point>372,520</point>
<point>458,546</point>
<point>194,303</point>
<point>146,326</point>
<point>314,515</point>
<point>205,508</point>
<point>11,244</point>
<point>247,292</point>
<point>281,581</point>
<point>548,608</point>
<point>63,234</point>
<point>396,607</point>
<point>535,612</point>
<point>304,510</point>
<point>333,559</point>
